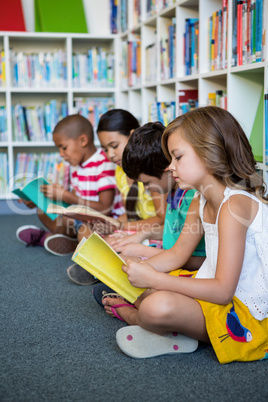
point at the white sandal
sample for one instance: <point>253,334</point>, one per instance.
<point>136,342</point>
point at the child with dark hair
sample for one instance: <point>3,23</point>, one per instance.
<point>92,184</point>
<point>144,208</point>
<point>144,160</point>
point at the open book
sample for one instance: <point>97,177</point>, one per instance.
<point>31,192</point>
<point>98,258</point>
<point>83,213</point>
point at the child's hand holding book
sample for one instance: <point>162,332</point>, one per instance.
<point>53,191</point>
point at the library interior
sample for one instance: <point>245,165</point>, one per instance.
<point>156,59</point>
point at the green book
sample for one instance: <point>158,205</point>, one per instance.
<point>60,16</point>
<point>31,192</point>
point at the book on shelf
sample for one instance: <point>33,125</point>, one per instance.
<point>187,100</point>
<point>162,111</point>
<point>38,70</point>
<point>114,16</point>
<point>98,258</point>
<point>36,123</point>
<point>31,192</point>
<point>3,123</point>
<point>266,126</point>
<point>3,172</point>
<point>191,45</point>
<point>94,68</point>
<point>12,16</point>
<point>92,108</point>
<point>248,31</point>
<point>2,68</point>
<point>83,213</point>
<point>123,15</point>
<point>71,12</point>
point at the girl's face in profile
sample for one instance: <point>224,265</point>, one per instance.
<point>113,144</point>
<point>186,166</point>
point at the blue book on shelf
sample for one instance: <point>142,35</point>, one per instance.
<point>259,10</point>
<point>170,49</point>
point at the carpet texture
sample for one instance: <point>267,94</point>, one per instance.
<point>57,343</point>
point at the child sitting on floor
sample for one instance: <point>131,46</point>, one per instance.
<point>92,181</point>
<point>226,304</point>
<point>144,160</point>
<point>143,208</point>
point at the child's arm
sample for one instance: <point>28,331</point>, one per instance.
<point>57,192</point>
<point>157,220</point>
<point>234,219</point>
<point>155,233</point>
<point>137,250</point>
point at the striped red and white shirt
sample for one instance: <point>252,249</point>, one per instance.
<point>93,176</point>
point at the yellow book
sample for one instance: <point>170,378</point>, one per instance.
<point>98,258</point>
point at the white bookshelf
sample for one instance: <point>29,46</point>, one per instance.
<point>31,96</point>
<point>243,84</point>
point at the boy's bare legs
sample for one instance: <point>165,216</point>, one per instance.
<point>163,312</point>
<point>61,225</point>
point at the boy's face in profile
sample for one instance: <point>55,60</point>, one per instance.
<point>152,183</point>
<point>70,149</point>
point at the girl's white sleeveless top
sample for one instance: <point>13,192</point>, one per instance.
<point>252,288</point>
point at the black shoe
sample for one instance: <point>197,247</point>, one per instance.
<point>80,276</point>
<point>101,291</point>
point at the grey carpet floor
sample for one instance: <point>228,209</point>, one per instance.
<point>57,343</point>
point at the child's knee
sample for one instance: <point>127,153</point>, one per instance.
<point>156,308</point>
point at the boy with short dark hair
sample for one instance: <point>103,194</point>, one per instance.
<point>144,160</point>
<point>92,184</point>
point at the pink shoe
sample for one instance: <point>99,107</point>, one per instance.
<point>31,235</point>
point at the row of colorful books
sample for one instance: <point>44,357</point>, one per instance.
<point>93,69</point>
<point>131,63</point>
<point>3,123</point>
<point>38,70</point>
<point>217,38</point>
<point>249,25</point>
<point>119,12</point>
<point>218,98</point>
<point>48,165</point>
<point>2,69</point>
<point>36,123</point>
<point>168,52</point>
<point>154,6</point>
<point>266,126</point>
<point>123,14</point>
<point>3,173</point>
<point>191,47</point>
<point>93,108</point>
<point>162,111</point>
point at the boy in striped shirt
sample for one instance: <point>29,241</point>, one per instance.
<point>92,184</point>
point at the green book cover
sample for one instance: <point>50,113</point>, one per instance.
<point>60,16</point>
<point>31,192</point>
<point>256,135</point>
